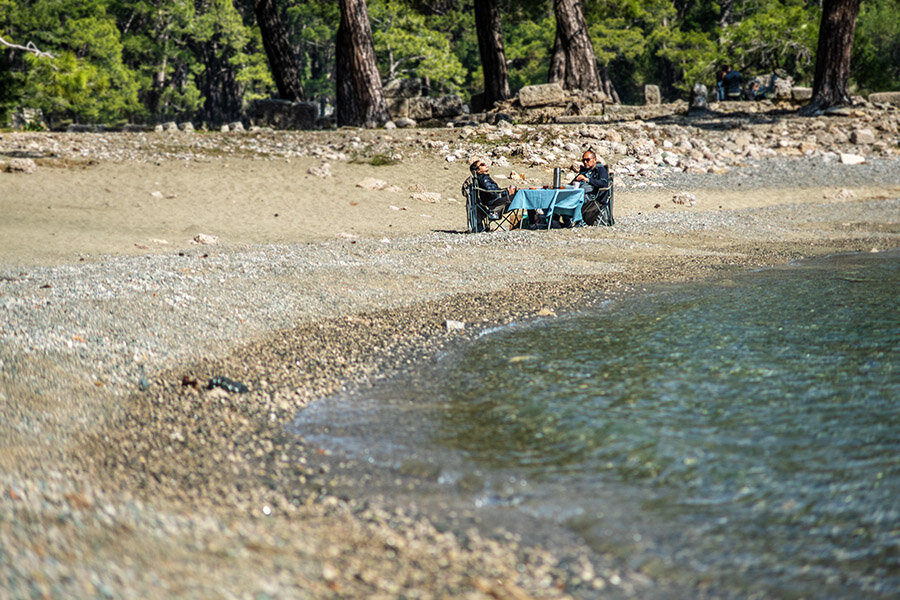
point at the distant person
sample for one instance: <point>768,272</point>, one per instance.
<point>593,177</point>
<point>720,86</point>
<point>491,195</point>
<point>731,84</point>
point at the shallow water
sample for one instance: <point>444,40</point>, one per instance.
<point>743,433</point>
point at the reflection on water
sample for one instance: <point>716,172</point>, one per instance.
<point>747,429</point>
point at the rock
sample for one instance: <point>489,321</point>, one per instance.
<point>801,94</point>
<point>397,107</point>
<point>852,159</point>
<point>21,165</point>
<point>323,170</point>
<point>886,98</point>
<point>782,88</point>
<point>403,88</point>
<point>446,106</point>
<point>698,99</point>
<point>205,239</point>
<point>684,198</point>
<point>541,95</point>
<point>420,108</point>
<point>390,125</point>
<point>28,118</point>
<point>187,126</point>
<point>370,183</point>
<point>862,136</point>
<point>236,126</point>
<point>451,325</point>
<point>405,123</point>
<point>429,197</point>
<point>282,114</point>
<point>652,95</point>
<point>478,102</point>
<point>170,127</point>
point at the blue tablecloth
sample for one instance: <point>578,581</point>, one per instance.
<point>549,201</point>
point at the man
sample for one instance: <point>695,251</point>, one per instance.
<point>593,178</point>
<point>731,83</point>
<point>495,198</point>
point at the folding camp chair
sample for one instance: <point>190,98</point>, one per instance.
<point>481,218</point>
<point>598,208</point>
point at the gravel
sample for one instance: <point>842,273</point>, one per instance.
<point>122,476</point>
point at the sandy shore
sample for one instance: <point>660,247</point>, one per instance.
<point>122,476</point>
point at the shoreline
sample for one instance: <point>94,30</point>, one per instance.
<point>120,477</point>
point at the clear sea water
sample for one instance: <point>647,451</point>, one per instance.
<point>743,433</point>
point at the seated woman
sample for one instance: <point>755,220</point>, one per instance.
<point>491,195</point>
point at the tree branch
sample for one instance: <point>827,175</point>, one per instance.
<point>29,47</point>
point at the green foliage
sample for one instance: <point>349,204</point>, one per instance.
<point>781,35</point>
<point>876,47</point>
<point>406,47</point>
<point>312,27</point>
<point>528,48</point>
<point>165,59</point>
<point>87,81</point>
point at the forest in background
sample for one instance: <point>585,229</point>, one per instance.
<point>147,61</point>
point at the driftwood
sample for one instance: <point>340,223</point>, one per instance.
<point>29,47</point>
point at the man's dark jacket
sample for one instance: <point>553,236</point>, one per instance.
<point>497,196</point>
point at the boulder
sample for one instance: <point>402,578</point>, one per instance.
<point>886,98</point>
<point>478,102</point>
<point>397,107</point>
<point>781,88</point>
<point>652,95</point>
<point>698,97</point>
<point>801,94</point>
<point>862,136</point>
<point>282,114</point>
<point>405,123</point>
<point>446,106</point>
<point>420,108</point>
<point>541,95</point>
<point>403,88</point>
<point>28,118</point>
<point>852,159</point>
<point>21,165</point>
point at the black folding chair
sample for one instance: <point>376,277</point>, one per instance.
<point>482,218</point>
<point>598,208</point>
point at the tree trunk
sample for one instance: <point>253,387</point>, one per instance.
<point>361,67</point>
<point>345,108</point>
<point>608,88</point>
<point>831,85</point>
<point>490,46</point>
<point>557,72</point>
<point>581,65</point>
<point>282,60</point>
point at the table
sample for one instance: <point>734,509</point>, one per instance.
<point>549,200</point>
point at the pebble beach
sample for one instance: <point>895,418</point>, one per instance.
<point>123,475</point>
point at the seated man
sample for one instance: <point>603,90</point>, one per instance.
<point>490,195</point>
<point>593,178</point>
